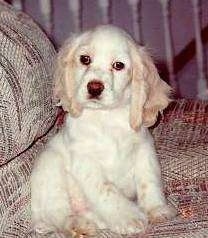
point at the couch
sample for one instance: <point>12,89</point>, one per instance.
<point>28,118</point>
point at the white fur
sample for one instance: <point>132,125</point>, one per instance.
<point>98,172</point>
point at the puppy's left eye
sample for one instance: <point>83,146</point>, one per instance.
<point>118,65</point>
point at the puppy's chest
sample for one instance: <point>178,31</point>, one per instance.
<point>105,138</point>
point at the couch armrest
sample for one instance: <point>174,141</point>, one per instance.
<point>26,103</point>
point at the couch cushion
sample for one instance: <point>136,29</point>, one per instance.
<point>182,145</point>
<point>26,107</point>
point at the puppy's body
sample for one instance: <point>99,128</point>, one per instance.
<point>93,169</point>
<point>101,153</point>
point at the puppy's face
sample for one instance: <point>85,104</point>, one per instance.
<point>102,70</point>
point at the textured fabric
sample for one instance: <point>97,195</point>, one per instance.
<point>15,194</point>
<point>26,110</point>
<point>26,113</point>
<point>182,145</point>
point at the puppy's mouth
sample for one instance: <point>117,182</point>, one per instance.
<point>94,98</point>
<point>94,102</point>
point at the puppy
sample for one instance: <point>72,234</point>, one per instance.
<point>100,171</point>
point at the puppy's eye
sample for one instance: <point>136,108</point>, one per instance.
<point>118,65</point>
<point>85,59</point>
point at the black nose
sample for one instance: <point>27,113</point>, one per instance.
<point>95,88</point>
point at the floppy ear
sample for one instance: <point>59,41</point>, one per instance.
<point>64,88</point>
<point>150,94</point>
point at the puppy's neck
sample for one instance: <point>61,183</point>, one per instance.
<point>101,117</point>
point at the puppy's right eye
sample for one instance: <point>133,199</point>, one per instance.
<point>85,59</point>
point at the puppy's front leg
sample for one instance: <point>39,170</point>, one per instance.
<point>149,184</point>
<point>57,203</point>
<point>120,214</point>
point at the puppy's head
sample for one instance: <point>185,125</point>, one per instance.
<point>104,69</point>
<point>93,70</point>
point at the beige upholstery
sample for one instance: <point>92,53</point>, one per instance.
<point>26,113</point>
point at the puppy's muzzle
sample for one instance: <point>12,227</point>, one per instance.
<point>95,89</point>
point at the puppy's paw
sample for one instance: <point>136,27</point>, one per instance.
<point>93,217</point>
<point>81,227</point>
<point>86,225</point>
<point>42,228</point>
<point>161,213</point>
<point>128,222</point>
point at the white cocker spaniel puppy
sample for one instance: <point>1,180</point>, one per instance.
<point>100,171</point>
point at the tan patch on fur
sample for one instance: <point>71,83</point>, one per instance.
<point>108,187</point>
<point>144,186</point>
<point>82,228</point>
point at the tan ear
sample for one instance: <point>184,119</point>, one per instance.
<point>150,94</point>
<point>64,88</point>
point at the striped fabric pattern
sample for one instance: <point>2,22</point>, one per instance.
<point>182,145</point>
<point>26,107</point>
<point>26,113</point>
<point>15,220</point>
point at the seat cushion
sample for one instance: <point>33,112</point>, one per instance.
<point>182,145</point>
<point>26,104</point>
